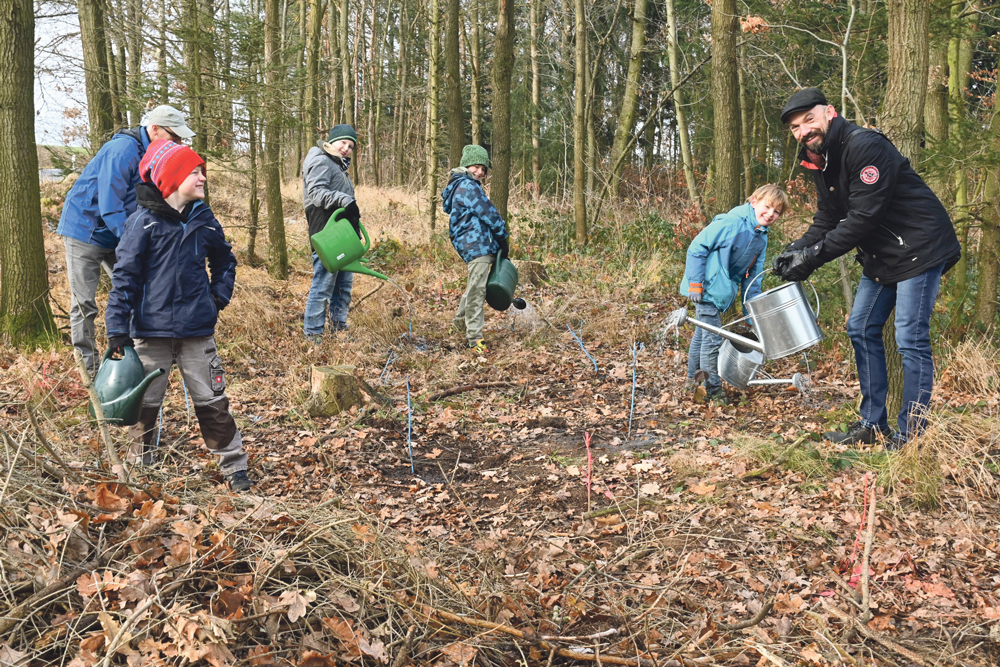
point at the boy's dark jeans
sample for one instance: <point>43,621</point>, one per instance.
<point>205,381</point>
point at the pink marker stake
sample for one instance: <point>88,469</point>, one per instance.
<point>590,460</point>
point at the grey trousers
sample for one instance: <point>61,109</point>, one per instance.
<point>205,379</point>
<point>83,267</point>
<point>470,316</point>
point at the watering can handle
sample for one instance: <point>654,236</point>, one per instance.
<point>364,232</point>
<point>815,293</point>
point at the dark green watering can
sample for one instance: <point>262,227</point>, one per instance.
<point>339,247</point>
<point>120,385</point>
<point>501,285</point>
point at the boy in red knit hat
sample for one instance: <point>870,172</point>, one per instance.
<point>162,296</point>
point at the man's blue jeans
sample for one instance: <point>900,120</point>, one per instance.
<point>913,300</point>
<point>328,291</point>
<point>703,354</point>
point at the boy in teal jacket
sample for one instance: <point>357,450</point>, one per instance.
<point>722,262</point>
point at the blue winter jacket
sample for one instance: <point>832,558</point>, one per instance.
<point>103,198</point>
<point>475,225</point>
<point>725,257</point>
<point>159,287</point>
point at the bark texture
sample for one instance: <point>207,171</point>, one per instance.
<point>725,106</point>
<point>277,253</point>
<point>630,99</point>
<point>902,116</point>
<point>432,114</point>
<point>580,125</point>
<point>95,71</point>
<point>453,84</point>
<point>503,65</point>
<point>24,288</point>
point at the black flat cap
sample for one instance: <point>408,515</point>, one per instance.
<point>801,100</point>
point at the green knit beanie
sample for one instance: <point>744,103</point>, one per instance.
<point>473,154</point>
<point>343,131</point>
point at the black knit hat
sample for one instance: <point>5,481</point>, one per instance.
<point>343,131</point>
<point>801,100</point>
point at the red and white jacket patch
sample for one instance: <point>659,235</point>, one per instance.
<point>869,174</point>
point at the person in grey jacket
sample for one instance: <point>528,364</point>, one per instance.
<point>327,187</point>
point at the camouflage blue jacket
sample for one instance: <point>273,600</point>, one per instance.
<point>475,225</point>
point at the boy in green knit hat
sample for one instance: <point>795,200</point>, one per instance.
<point>478,233</point>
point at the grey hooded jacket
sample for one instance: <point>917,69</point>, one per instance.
<point>325,186</point>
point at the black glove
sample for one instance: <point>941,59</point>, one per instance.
<point>219,303</point>
<point>504,247</point>
<point>797,265</point>
<point>117,343</point>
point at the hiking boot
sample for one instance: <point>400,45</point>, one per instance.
<point>315,339</point>
<point>718,397</point>
<point>690,385</point>
<point>239,481</point>
<point>478,347</point>
<point>142,438</point>
<point>339,326</point>
<point>895,443</point>
<point>857,433</point>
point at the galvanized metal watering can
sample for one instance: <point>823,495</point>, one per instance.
<point>120,386</point>
<point>339,249</point>
<point>782,319</point>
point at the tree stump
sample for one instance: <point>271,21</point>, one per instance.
<point>531,272</point>
<point>334,389</point>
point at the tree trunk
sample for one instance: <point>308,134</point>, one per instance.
<point>432,113</point>
<point>25,317</point>
<point>630,99</point>
<point>453,84</point>
<point>535,18</point>
<point>580,124</point>
<point>503,66</point>
<point>277,252</point>
<point>725,106</point>
<point>254,223</point>
<point>135,19</point>
<point>679,113</point>
<point>192,72</point>
<point>959,63</point>
<point>301,73</point>
<point>336,101</point>
<point>399,150</point>
<point>936,105</point>
<point>476,92</point>
<point>903,106</point>
<point>745,134</point>
<point>161,53</point>
<point>988,259</point>
<point>312,129</point>
<point>95,71</point>
<point>345,65</point>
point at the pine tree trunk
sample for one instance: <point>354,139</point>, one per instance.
<point>277,252</point>
<point>726,106</point>
<point>745,134</point>
<point>192,72</point>
<point>679,113</point>
<point>336,98</point>
<point>312,122</point>
<point>503,66</point>
<point>93,35</point>
<point>580,125</point>
<point>432,114</point>
<point>988,259</point>
<point>135,19</point>
<point>535,18</point>
<point>398,151</point>
<point>936,105</point>
<point>345,64</point>
<point>453,84</point>
<point>254,223</point>
<point>476,92</point>
<point>630,99</point>
<point>25,317</point>
<point>161,53</point>
<point>959,63</point>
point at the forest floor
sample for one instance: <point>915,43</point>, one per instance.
<point>579,507</point>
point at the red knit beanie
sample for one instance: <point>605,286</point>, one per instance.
<point>167,164</point>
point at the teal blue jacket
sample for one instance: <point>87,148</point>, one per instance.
<point>725,257</point>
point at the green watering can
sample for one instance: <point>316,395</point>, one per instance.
<point>501,285</point>
<point>339,247</point>
<point>120,386</point>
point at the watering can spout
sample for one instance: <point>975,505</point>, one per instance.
<point>339,248</point>
<point>141,389</point>
<point>725,333</point>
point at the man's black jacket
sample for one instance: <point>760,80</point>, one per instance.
<point>870,198</point>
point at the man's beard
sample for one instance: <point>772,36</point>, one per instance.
<point>817,134</point>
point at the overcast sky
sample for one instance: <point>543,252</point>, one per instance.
<point>58,77</point>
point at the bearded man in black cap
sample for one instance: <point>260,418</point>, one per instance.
<point>871,199</point>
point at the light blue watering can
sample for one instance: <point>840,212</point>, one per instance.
<point>340,249</point>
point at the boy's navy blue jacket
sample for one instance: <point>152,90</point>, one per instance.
<point>103,198</point>
<point>725,257</point>
<point>160,281</point>
<point>474,223</point>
